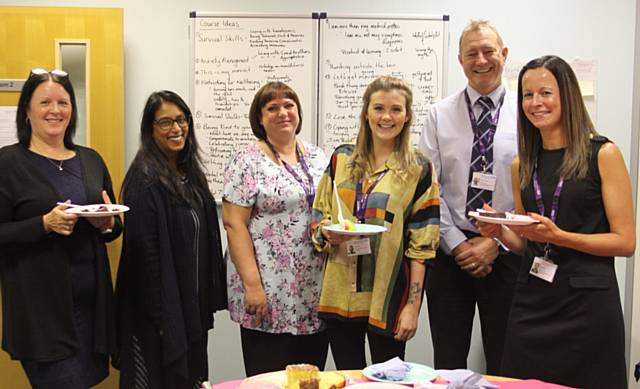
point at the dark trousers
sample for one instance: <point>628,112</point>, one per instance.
<point>142,364</point>
<point>347,345</point>
<point>452,296</point>
<point>264,352</point>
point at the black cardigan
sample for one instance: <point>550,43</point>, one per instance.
<point>37,306</point>
<point>146,286</point>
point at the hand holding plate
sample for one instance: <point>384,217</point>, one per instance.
<point>103,223</point>
<point>59,221</point>
<point>489,230</point>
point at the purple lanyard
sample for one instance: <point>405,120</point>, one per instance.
<point>555,201</point>
<point>476,129</point>
<point>309,188</point>
<point>361,200</point>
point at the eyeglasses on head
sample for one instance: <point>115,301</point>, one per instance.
<point>54,72</point>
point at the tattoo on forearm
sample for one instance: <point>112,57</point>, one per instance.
<point>415,292</point>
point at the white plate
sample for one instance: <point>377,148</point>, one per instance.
<point>418,373</point>
<point>97,210</point>
<point>512,219</point>
<point>389,385</point>
<point>377,385</point>
<point>361,229</point>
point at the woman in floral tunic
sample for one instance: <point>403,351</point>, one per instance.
<point>274,275</point>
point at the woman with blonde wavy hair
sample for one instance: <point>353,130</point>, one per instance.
<point>373,284</point>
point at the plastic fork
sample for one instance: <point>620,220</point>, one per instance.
<point>340,217</point>
<point>70,205</point>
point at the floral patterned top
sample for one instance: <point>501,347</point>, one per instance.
<point>290,268</point>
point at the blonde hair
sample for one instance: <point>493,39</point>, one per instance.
<point>360,159</point>
<point>477,25</point>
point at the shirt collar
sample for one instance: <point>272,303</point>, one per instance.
<point>392,164</point>
<point>494,96</point>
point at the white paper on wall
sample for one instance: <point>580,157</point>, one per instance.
<point>8,126</point>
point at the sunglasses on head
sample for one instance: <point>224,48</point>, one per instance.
<point>54,72</point>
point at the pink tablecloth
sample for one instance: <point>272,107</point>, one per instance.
<point>228,384</point>
<point>528,384</point>
<point>522,384</point>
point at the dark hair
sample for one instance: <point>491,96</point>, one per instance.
<point>268,92</point>
<point>24,126</point>
<point>575,121</point>
<point>153,164</point>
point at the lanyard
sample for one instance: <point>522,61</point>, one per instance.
<point>309,188</point>
<point>555,201</point>
<point>361,200</point>
<point>484,141</point>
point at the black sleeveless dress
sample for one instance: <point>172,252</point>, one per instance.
<point>571,331</point>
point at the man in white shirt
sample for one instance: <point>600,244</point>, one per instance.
<point>471,138</point>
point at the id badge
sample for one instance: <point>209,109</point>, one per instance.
<point>358,247</point>
<point>484,181</point>
<point>543,269</point>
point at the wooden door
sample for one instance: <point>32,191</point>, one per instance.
<point>29,38</point>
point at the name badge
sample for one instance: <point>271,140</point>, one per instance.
<point>484,181</point>
<point>543,269</point>
<point>358,247</point>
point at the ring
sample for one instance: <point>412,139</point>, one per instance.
<point>474,265</point>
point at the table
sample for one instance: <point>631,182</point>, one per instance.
<point>355,376</point>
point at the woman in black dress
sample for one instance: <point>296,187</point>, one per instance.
<point>566,323</point>
<point>57,296</point>
<point>171,277</point>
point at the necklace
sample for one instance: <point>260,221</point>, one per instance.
<point>58,165</point>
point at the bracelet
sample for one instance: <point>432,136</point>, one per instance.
<point>319,238</point>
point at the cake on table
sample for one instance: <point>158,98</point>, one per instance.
<point>309,383</point>
<point>302,376</point>
<point>298,376</point>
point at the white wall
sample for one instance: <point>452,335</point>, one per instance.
<point>632,305</point>
<point>156,57</point>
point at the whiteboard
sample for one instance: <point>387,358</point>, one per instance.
<point>327,60</point>
<point>357,49</point>
<point>233,55</point>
